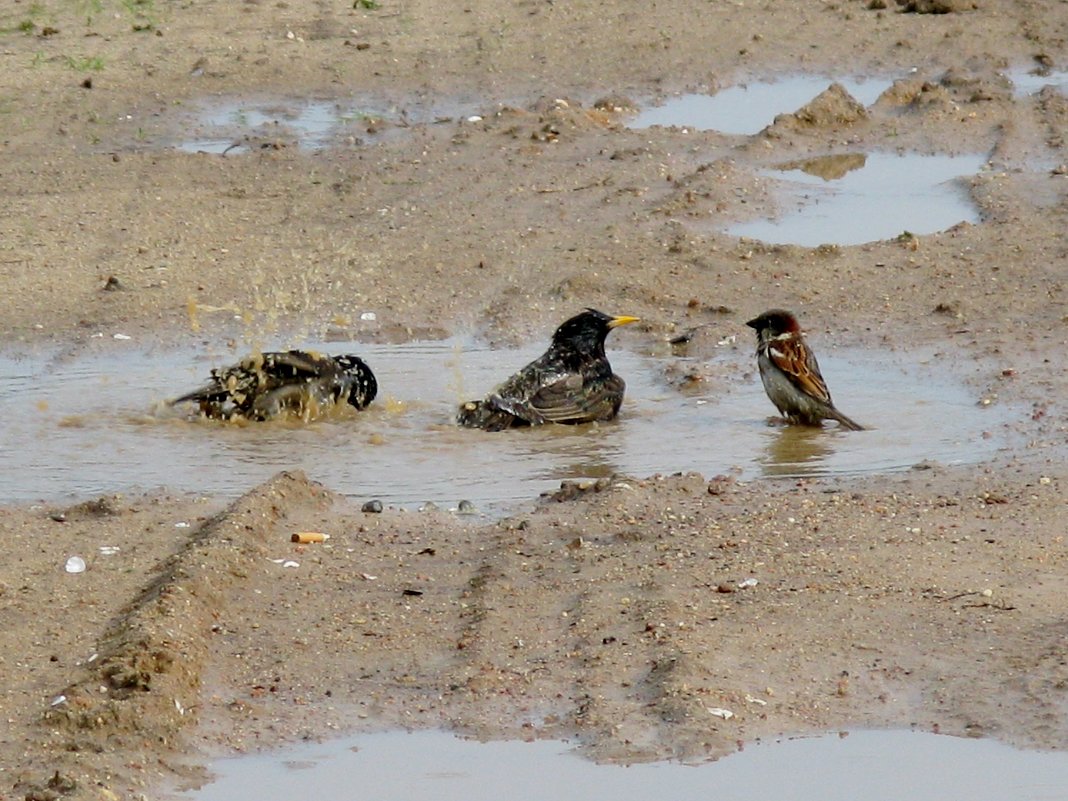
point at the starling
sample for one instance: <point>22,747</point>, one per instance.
<point>790,373</point>
<point>300,382</point>
<point>572,382</point>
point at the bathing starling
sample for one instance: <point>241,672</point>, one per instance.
<point>572,382</point>
<point>300,382</point>
<point>790,373</point>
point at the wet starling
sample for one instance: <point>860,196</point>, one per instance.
<point>300,382</point>
<point>572,382</point>
<point>790,373</point>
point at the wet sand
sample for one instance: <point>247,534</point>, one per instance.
<point>617,612</point>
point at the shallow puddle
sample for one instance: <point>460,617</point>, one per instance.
<point>85,424</point>
<point>436,766</point>
<point>749,108</point>
<point>237,125</point>
<point>855,198</point>
<point>1032,81</point>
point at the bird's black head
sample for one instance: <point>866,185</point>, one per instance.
<point>361,381</point>
<point>586,331</point>
<point>775,322</point>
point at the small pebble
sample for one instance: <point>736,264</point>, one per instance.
<point>372,507</point>
<point>465,507</point>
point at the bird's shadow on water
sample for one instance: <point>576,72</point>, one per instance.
<point>84,427</point>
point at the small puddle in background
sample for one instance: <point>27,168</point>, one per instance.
<point>855,198</point>
<point>82,426</point>
<point>749,108</point>
<point>242,125</point>
<point>437,766</point>
<point>1031,81</point>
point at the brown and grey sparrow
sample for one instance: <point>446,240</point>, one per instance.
<point>790,373</point>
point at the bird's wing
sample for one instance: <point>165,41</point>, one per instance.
<point>570,400</point>
<point>798,362</point>
<point>261,372</point>
<point>298,364</point>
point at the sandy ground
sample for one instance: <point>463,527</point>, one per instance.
<point>619,615</point>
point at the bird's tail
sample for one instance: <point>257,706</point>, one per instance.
<point>196,395</point>
<point>846,422</point>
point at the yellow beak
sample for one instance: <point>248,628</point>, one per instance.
<point>615,322</point>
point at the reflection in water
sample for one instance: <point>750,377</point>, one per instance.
<point>1031,81</point>
<point>436,766</point>
<point>892,193</point>
<point>83,424</point>
<point>798,450</point>
<point>829,168</point>
<point>748,108</point>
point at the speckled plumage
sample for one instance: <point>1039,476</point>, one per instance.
<point>303,383</point>
<point>572,382</point>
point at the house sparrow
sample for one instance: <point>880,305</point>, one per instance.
<point>790,373</point>
<point>572,382</point>
<point>265,385</point>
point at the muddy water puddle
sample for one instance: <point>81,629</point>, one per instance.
<point>854,198</point>
<point>1031,81</point>
<point>750,107</point>
<point>83,424</point>
<point>436,766</point>
<point>235,125</point>
<point>841,199</point>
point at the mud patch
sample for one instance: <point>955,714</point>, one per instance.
<point>141,688</point>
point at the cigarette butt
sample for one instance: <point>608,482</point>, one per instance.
<point>308,536</point>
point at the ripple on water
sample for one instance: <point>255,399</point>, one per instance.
<point>83,426</point>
